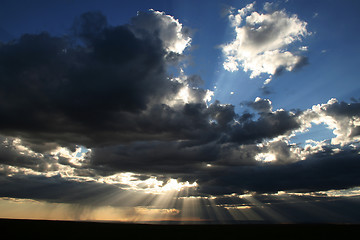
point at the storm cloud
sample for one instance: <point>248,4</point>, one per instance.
<point>96,91</point>
<point>322,171</point>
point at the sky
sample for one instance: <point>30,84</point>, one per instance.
<point>180,111</point>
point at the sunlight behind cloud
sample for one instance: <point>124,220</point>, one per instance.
<point>149,185</point>
<point>265,157</point>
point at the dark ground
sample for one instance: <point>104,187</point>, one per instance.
<point>43,229</point>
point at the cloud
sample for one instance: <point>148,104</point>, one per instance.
<point>261,43</point>
<point>55,189</point>
<point>95,86</point>
<point>267,126</point>
<point>343,118</point>
<point>80,111</point>
<point>226,140</point>
<point>174,37</point>
<point>324,170</point>
<point>261,105</point>
<point>15,154</point>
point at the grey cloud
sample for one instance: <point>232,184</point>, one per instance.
<point>261,105</point>
<point>14,154</point>
<point>226,142</point>
<point>55,189</point>
<point>267,126</point>
<point>163,158</point>
<point>342,109</point>
<point>286,208</point>
<point>324,170</point>
<point>195,81</point>
<point>174,37</point>
<point>89,26</point>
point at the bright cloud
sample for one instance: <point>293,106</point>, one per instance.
<point>265,157</point>
<point>174,36</point>
<point>341,117</point>
<point>262,41</point>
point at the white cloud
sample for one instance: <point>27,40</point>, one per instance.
<point>342,118</point>
<point>265,157</point>
<point>235,19</point>
<point>303,48</point>
<point>171,32</point>
<point>267,81</point>
<point>261,41</point>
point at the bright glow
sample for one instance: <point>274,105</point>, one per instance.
<point>76,158</point>
<point>184,94</point>
<point>208,96</point>
<point>149,185</point>
<point>23,150</point>
<point>265,157</point>
<point>187,95</point>
<point>177,41</point>
<point>173,185</point>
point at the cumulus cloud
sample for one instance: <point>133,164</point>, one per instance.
<point>262,40</point>
<point>343,118</point>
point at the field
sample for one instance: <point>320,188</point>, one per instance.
<point>114,230</point>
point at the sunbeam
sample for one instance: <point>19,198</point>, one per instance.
<point>214,112</point>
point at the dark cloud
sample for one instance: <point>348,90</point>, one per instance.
<point>324,170</point>
<point>286,208</point>
<point>161,158</point>
<point>267,126</point>
<point>261,105</point>
<point>55,92</point>
<point>194,81</point>
<point>112,88</point>
<point>342,109</point>
<point>90,26</point>
<point>301,62</point>
<point>207,143</point>
<point>14,154</point>
<point>55,189</point>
